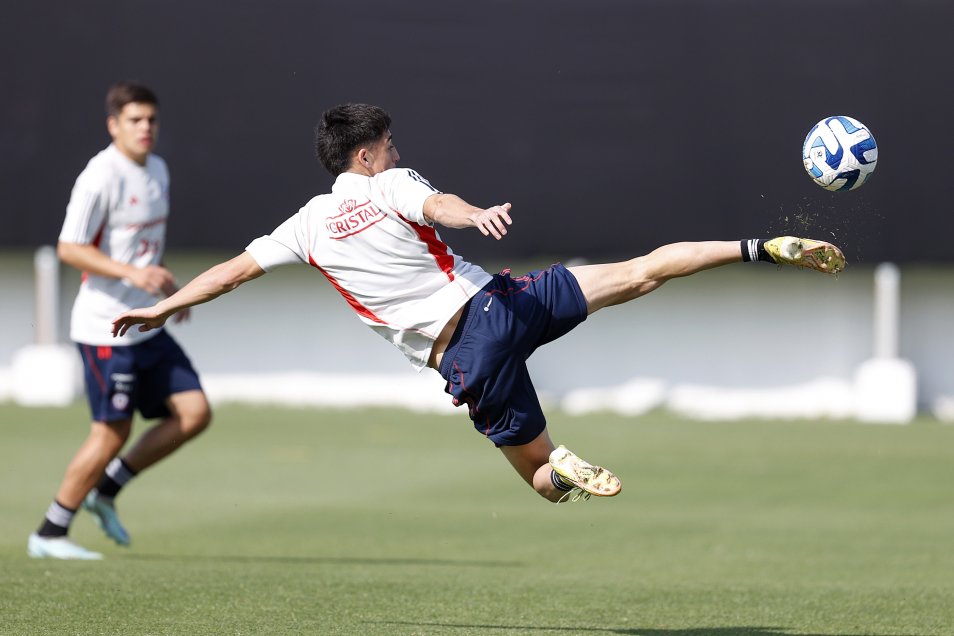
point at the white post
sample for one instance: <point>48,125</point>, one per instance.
<point>46,373</point>
<point>46,267</point>
<point>886,387</point>
<point>887,309</point>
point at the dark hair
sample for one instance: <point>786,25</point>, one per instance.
<point>122,93</point>
<point>344,129</point>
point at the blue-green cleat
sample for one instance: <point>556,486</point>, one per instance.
<point>104,511</point>
<point>59,548</point>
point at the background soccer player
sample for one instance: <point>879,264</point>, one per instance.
<point>373,238</point>
<point>114,232</point>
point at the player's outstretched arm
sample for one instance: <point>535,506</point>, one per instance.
<point>451,211</point>
<point>208,285</point>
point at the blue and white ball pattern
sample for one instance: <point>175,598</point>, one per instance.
<point>840,153</point>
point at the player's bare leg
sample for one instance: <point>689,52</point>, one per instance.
<point>103,443</point>
<point>531,461</point>
<point>614,283</point>
<point>556,473</point>
<point>190,416</point>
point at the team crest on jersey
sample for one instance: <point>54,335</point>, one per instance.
<point>355,217</point>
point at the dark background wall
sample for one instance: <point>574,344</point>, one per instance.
<point>612,126</point>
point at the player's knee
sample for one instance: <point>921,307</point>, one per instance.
<point>114,433</point>
<point>203,421</point>
<point>635,278</point>
<point>196,421</point>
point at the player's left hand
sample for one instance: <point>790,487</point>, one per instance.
<point>493,221</point>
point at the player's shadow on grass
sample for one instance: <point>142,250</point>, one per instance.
<point>623,631</point>
<point>319,560</point>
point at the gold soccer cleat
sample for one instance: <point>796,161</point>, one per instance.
<point>585,478</point>
<point>817,255</point>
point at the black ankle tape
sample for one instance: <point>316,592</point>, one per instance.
<point>754,250</point>
<point>559,483</point>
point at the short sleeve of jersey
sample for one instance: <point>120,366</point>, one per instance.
<point>405,191</point>
<point>284,246</point>
<point>86,211</point>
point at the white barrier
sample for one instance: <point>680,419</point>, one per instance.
<point>45,373</point>
<point>882,389</point>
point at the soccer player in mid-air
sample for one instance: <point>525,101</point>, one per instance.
<point>373,237</point>
<point>114,232</point>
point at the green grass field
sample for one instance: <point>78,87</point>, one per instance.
<point>283,521</point>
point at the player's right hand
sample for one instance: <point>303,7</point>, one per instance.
<point>152,278</point>
<point>147,318</point>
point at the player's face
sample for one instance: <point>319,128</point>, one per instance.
<point>383,155</point>
<point>134,130</point>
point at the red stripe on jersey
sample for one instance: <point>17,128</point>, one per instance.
<point>358,307</point>
<point>104,353</point>
<point>436,247</point>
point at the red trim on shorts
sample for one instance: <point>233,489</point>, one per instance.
<point>470,401</point>
<point>358,307</point>
<point>88,352</point>
<point>526,279</point>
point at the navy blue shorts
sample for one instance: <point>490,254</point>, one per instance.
<point>122,380</point>
<point>485,363</point>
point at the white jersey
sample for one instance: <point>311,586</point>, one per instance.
<point>121,208</point>
<point>370,239</point>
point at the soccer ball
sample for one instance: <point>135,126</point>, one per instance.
<point>840,153</point>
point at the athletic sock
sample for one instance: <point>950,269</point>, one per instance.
<point>118,474</point>
<point>559,482</point>
<point>57,521</point>
<point>754,250</point>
